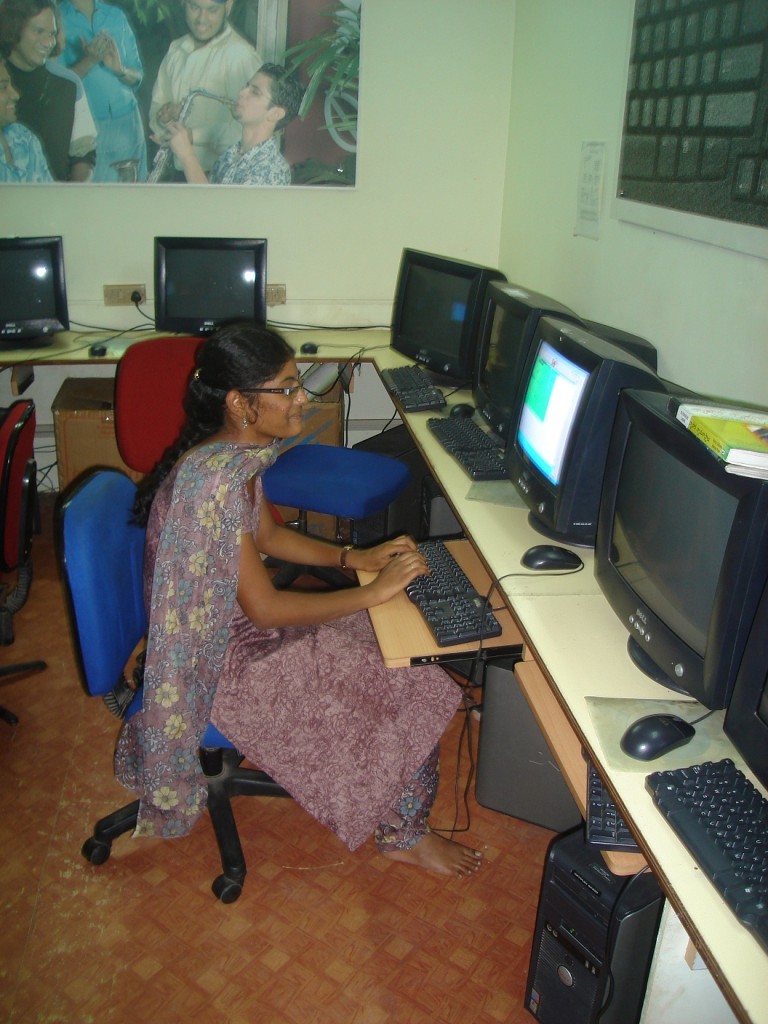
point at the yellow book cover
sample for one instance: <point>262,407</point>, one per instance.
<point>744,444</point>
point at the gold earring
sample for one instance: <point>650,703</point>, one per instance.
<point>245,422</point>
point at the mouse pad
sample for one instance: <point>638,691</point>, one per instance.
<point>611,716</point>
<point>497,492</point>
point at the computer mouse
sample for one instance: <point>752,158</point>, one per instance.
<point>650,737</point>
<point>99,349</point>
<point>308,348</point>
<point>546,557</point>
<point>463,409</point>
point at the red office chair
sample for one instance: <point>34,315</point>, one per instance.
<point>17,508</point>
<point>150,385</point>
<point>151,381</point>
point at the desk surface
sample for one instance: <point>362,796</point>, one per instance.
<point>580,647</point>
<point>404,637</point>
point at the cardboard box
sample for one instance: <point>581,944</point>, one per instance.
<point>84,428</point>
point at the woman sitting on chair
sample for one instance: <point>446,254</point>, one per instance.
<point>294,679</point>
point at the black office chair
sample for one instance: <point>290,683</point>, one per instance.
<point>101,554</point>
<point>18,495</point>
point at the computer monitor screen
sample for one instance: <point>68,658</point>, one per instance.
<point>436,312</point>
<point>746,720</point>
<point>33,295</point>
<point>507,328</point>
<point>562,420</point>
<point>682,550</point>
<point>203,282</point>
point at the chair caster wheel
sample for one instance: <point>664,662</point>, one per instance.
<point>96,851</point>
<point>226,890</point>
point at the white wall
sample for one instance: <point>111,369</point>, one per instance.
<point>704,307</point>
<point>435,87</point>
<point>472,121</point>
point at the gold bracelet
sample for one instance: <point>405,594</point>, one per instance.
<point>343,556</point>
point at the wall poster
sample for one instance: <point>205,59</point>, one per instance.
<point>235,92</point>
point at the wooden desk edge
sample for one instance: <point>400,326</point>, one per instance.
<point>566,749</point>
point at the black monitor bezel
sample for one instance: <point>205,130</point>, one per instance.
<point>164,321</point>
<point>39,329</point>
<point>708,678</point>
<point>743,725</point>
<point>459,368</point>
<point>528,306</point>
<point>567,512</point>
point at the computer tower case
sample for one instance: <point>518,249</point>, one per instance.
<point>594,939</point>
<point>516,772</point>
<point>403,515</point>
<point>437,518</point>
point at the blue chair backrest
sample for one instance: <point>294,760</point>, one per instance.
<point>101,553</point>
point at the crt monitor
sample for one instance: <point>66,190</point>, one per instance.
<point>562,421</point>
<point>682,549</point>
<point>508,324</point>
<point>436,312</point>
<point>33,296</point>
<point>203,282</point>
<point>746,720</point>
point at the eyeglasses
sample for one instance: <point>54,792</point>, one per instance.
<point>288,392</point>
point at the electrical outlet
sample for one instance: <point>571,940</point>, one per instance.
<point>275,294</point>
<point>120,294</point>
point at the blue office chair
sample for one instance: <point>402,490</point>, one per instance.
<point>308,477</point>
<point>101,555</point>
<point>341,482</point>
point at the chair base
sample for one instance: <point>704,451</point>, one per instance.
<point>13,670</point>
<point>225,779</point>
<point>287,574</point>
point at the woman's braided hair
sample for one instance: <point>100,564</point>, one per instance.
<point>237,357</point>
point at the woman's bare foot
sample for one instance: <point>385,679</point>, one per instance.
<point>442,856</point>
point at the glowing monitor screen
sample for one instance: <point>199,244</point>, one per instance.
<point>552,400</point>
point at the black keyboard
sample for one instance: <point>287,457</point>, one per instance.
<point>697,100</point>
<point>454,611</point>
<point>479,456</point>
<point>722,819</point>
<point>604,827</point>
<point>413,388</point>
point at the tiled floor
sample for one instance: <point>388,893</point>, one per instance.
<point>319,934</point>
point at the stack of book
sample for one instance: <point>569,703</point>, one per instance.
<point>737,436</point>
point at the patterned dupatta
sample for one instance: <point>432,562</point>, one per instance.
<point>194,590</point>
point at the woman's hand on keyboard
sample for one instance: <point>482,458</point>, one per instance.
<point>375,558</point>
<point>399,571</point>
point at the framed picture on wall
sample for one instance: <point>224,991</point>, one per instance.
<point>224,92</point>
<point>694,149</point>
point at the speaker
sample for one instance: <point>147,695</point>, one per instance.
<point>594,939</point>
<point>516,772</point>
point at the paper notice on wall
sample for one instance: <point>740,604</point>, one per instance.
<point>590,189</point>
